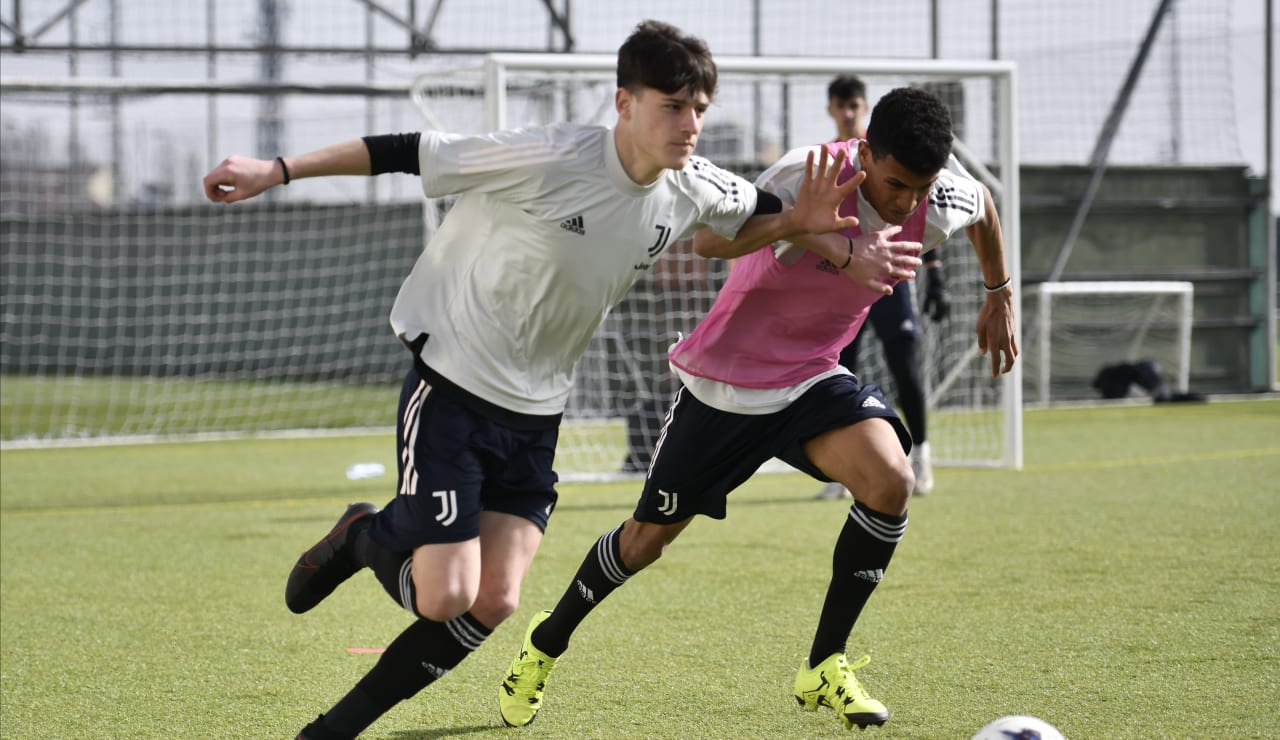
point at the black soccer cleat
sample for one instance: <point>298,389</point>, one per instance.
<point>327,564</point>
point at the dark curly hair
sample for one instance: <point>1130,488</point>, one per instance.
<point>914,126</point>
<point>663,57</point>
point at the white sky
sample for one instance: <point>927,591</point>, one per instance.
<point>1059,113</point>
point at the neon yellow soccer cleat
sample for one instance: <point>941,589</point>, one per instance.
<point>520,696</point>
<point>832,684</point>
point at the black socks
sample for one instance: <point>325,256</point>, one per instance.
<point>600,573</point>
<point>393,570</point>
<point>421,654</point>
<point>862,554</point>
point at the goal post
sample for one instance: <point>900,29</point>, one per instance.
<point>1081,327</point>
<point>764,107</point>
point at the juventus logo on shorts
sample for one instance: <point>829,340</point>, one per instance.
<point>669,502</point>
<point>448,506</point>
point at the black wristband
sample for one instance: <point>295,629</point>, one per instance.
<point>1000,287</point>
<point>283,169</point>
<point>849,259</point>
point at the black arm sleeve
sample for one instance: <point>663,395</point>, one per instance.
<point>393,153</point>
<point>767,203</point>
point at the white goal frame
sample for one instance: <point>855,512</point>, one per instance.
<point>152,397</point>
<point>1043,295</point>
<point>499,69</point>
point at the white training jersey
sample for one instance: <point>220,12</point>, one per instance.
<point>547,235</point>
<point>955,200</point>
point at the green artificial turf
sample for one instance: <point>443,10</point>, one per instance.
<point>1125,584</point>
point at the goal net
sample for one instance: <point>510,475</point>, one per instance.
<point>1074,330</point>
<point>764,107</point>
<point>134,310</point>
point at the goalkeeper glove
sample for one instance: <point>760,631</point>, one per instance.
<point>937,302</point>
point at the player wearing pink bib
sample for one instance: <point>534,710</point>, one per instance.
<point>762,379</point>
<point>777,325</point>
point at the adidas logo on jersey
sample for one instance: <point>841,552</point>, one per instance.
<point>575,225</point>
<point>871,402</point>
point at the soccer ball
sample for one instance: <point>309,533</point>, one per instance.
<point>1018,727</point>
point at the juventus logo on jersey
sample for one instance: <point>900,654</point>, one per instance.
<point>664,234</point>
<point>448,506</point>
<point>669,502</point>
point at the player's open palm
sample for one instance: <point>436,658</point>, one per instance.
<point>239,178</point>
<point>877,260</point>
<point>817,206</point>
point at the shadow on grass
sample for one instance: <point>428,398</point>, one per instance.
<point>564,506</point>
<point>442,732</point>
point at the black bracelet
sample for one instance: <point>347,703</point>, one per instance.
<point>850,258</point>
<point>283,169</point>
<point>998,288</point>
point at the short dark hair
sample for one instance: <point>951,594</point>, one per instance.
<point>846,87</point>
<point>663,57</point>
<point>914,126</point>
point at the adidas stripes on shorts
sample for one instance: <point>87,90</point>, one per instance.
<point>454,463</point>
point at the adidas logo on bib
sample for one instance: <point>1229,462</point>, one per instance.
<point>872,402</point>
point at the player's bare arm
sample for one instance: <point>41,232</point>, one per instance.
<point>874,259</point>
<point>240,178</point>
<point>816,211</point>
<point>996,320</point>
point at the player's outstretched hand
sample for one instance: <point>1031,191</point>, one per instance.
<point>817,206</point>
<point>239,178</point>
<point>996,331</point>
<point>876,261</point>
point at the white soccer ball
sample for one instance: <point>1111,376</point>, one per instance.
<point>1018,727</point>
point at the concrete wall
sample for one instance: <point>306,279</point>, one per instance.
<point>1203,225</point>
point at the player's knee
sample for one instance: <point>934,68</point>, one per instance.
<point>493,606</point>
<point>640,552</point>
<point>900,482</point>
<point>441,605</point>
<point>890,490</point>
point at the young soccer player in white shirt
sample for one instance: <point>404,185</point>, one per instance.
<point>552,227</point>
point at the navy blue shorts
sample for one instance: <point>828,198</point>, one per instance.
<point>704,453</point>
<point>454,463</point>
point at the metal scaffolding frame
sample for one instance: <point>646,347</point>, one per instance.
<point>22,34</point>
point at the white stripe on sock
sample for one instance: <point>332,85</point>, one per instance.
<point>406,586</point>
<point>466,635</point>
<point>879,530</point>
<point>604,553</point>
